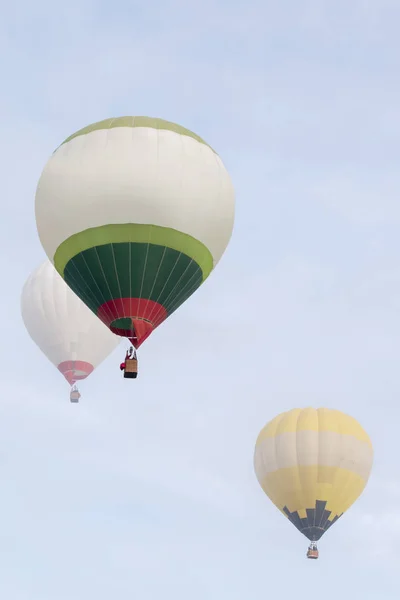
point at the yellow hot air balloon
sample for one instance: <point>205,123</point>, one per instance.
<point>313,464</point>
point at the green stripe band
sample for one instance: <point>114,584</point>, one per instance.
<point>134,233</point>
<point>150,122</point>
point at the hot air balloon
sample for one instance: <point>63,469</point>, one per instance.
<point>65,330</point>
<point>134,212</point>
<point>313,464</point>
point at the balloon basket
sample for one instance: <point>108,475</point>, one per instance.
<point>312,552</point>
<point>131,368</point>
<point>74,396</point>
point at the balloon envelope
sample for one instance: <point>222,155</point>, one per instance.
<point>66,331</point>
<point>313,464</point>
<point>134,213</point>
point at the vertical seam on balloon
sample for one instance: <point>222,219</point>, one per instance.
<point>101,298</point>
<point>341,458</point>
<point>320,522</point>
<point>130,287</point>
<point>105,279</point>
<point>132,332</point>
<point>339,496</point>
<point>280,419</point>
<point>309,525</point>
<point>78,286</point>
<point>348,481</point>
<point>155,279</point>
<point>165,302</point>
<point>55,307</point>
<point>151,227</point>
<point>130,254</point>
<point>144,269</point>
<point>150,317</point>
<point>149,238</point>
<point>165,248</point>
<point>116,275</point>
<point>177,300</point>
<point>318,464</point>
<point>338,467</point>
<point>82,253</point>
<point>297,463</point>
<point>73,353</point>
<point>110,123</point>
<point>73,281</point>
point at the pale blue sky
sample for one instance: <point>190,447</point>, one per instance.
<point>146,489</point>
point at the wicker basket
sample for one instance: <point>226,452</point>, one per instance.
<point>74,396</point>
<point>131,368</point>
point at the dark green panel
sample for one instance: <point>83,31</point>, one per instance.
<point>132,270</point>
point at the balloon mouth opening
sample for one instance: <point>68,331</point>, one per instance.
<point>133,318</point>
<point>134,328</point>
<point>75,370</point>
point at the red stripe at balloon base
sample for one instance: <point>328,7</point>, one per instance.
<point>75,370</point>
<point>133,318</point>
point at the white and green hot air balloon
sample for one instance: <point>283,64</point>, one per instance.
<point>134,212</point>
<point>63,327</point>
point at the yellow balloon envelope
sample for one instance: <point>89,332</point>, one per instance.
<point>313,464</point>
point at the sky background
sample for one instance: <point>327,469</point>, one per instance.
<point>146,489</point>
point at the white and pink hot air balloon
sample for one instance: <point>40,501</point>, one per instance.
<point>62,326</point>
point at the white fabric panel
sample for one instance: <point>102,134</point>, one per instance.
<point>60,323</point>
<point>135,175</point>
<point>308,448</point>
